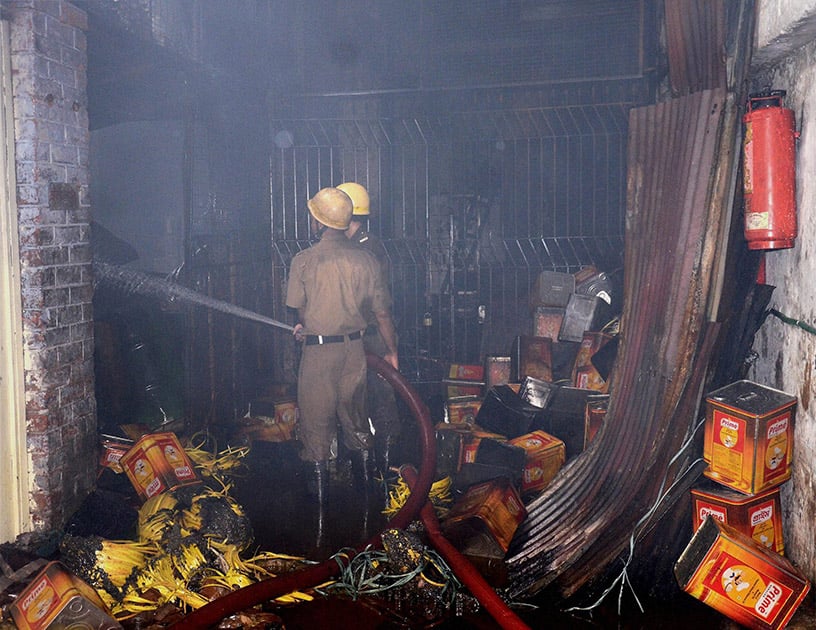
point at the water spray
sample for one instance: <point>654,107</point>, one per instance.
<point>131,281</point>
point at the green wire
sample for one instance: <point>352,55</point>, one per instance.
<point>793,322</point>
<point>358,577</point>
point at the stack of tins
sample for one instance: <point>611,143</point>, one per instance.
<point>734,561</point>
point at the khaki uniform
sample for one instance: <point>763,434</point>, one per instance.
<point>381,401</point>
<point>334,284</point>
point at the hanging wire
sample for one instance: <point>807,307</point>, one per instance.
<point>622,579</point>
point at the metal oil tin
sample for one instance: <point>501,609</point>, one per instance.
<point>532,356</point>
<point>464,380</point>
<point>497,370</point>
<point>758,516</point>
<point>547,321</point>
<point>157,463</point>
<point>58,599</point>
<point>594,416</point>
<point>552,288</point>
<point>545,457</point>
<point>462,409</point>
<point>748,440</point>
<point>746,582</point>
<point>493,509</point>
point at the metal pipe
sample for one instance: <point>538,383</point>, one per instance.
<point>209,615</point>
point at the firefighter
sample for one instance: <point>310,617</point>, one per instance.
<point>380,401</point>
<point>335,286</point>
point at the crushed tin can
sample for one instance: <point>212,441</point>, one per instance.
<point>758,516</point>
<point>57,599</point>
<point>157,463</point>
<point>488,514</point>
<point>728,571</point>
<point>269,420</point>
<point>457,444</point>
<point>748,441</point>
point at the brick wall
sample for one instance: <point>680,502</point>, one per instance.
<point>52,141</point>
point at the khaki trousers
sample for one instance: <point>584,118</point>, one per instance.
<point>331,386</point>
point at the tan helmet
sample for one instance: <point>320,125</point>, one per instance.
<point>331,207</point>
<point>359,197</point>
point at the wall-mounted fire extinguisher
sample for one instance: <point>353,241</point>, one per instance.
<point>769,172</point>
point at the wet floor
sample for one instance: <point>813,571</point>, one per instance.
<point>284,519</point>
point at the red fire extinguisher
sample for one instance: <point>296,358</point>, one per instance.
<point>769,172</point>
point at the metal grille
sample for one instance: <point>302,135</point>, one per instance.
<point>471,207</point>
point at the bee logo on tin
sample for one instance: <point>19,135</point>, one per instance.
<point>742,584</point>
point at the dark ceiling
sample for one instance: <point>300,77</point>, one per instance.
<point>149,60</point>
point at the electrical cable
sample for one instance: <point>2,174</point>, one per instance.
<point>793,322</point>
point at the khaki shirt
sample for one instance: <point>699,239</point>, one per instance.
<point>335,284</point>
<point>373,244</point>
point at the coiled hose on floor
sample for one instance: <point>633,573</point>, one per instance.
<point>211,614</point>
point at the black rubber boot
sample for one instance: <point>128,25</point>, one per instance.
<point>318,487</point>
<point>385,452</point>
<point>364,470</point>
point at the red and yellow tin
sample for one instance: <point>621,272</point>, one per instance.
<point>58,599</point>
<point>758,516</point>
<point>462,409</point>
<point>594,416</point>
<point>584,374</point>
<point>112,450</point>
<point>749,436</point>
<point>749,584</point>
<point>157,463</point>
<point>493,508</point>
<point>464,372</point>
<point>545,457</point>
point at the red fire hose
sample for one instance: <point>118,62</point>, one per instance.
<point>212,613</point>
<point>461,566</point>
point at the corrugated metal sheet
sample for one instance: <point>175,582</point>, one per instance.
<point>681,173</point>
<point>586,516</point>
<point>695,36</point>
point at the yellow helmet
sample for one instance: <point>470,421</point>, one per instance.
<point>359,197</point>
<point>331,207</point>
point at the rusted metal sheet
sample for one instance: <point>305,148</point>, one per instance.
<point>695,31</point>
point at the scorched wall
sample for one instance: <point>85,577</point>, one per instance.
<point>48,61</point>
